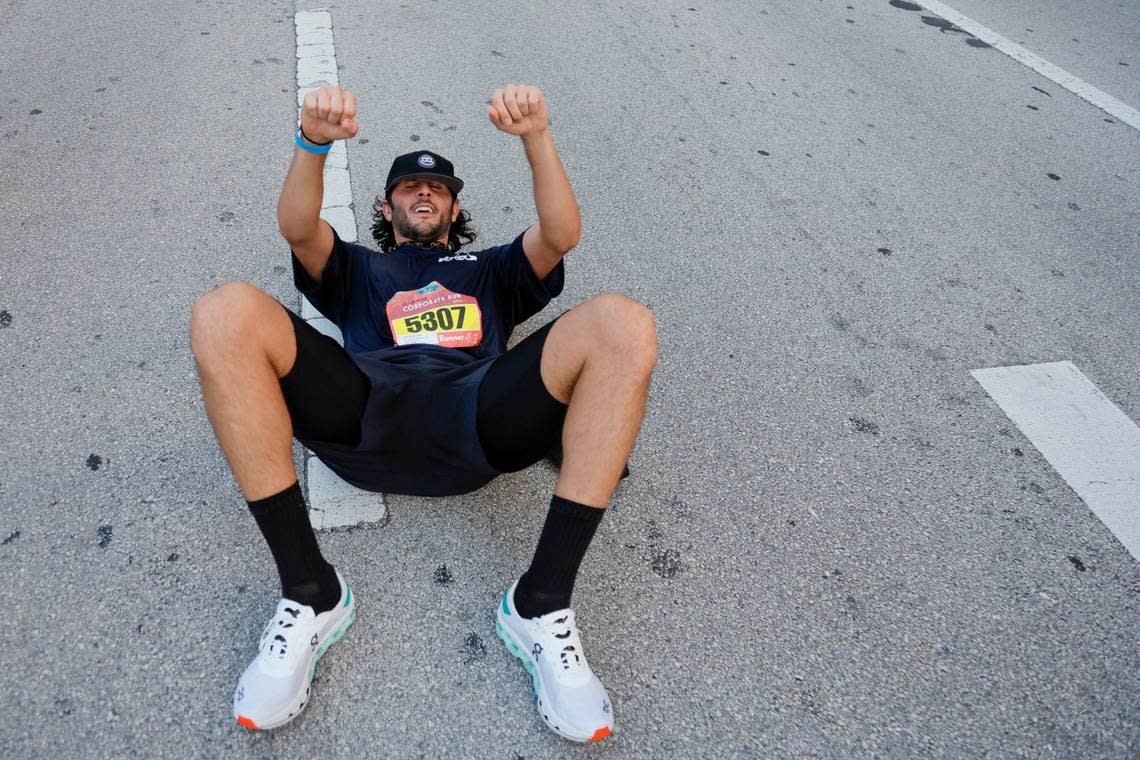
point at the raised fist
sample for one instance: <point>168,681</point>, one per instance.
<point>518,109</point>
<point>329,114</point>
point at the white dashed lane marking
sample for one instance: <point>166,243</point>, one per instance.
<point>1056,74</point>
<point>332,502</point>
<point>1087,439</point>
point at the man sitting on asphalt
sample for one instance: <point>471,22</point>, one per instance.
<point>424,398</point>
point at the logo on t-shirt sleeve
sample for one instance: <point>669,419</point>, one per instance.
<point>436,316</point>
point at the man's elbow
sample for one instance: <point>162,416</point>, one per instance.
<point>566,240</point>
<point>295,233</point>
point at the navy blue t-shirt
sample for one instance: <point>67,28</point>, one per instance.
<point>423,323</point>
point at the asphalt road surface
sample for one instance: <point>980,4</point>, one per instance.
<point>833,544</point>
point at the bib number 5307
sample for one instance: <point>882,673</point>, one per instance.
<point>443,318</point>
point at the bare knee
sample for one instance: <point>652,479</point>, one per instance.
<point>226,318</point>
<point>626,328</point>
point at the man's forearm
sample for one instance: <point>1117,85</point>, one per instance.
<point>558,217</point>
<point>299,207</point>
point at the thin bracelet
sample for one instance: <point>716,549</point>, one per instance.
<point>312,141</point>
<point>318,150</point>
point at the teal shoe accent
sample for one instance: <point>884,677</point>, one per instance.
<point>514,648</point>
<point>348,597</point>
<point>506,609</point>
<point>334,638</point>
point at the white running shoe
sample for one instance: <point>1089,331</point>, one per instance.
<point>570,697</point>
<point>275,687</point>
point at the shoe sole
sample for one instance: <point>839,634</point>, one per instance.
<point>552,720</point>
<point>323,647</point>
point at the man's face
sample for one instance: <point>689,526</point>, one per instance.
<point>421,210</point>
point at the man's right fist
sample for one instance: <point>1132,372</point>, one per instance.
<point>329,114</point>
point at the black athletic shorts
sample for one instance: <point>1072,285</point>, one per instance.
<point>517,420</point>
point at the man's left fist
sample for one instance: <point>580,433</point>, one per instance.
<point>518,109</point>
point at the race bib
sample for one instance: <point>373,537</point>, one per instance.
<point>435,315</point>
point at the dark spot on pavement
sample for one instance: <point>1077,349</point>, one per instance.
<point>506,209</point>
<point>839,323</point>
<point>665,563</point>
<point>1057,272</point>
<point>204,34</point>
<point>975,42</point>
<point>278,269</point>
<point>1073,206</point>
<point>935,354</point>
<point>652,532</point>
<point>991,328</point>
<point>273,60</point>
<point>905,5</point>
<point>1077,563</point>
<point>173,557</point>
<point>942,25</point>
<point>63,706</point>
<point>860,425</point>
<point>227,216</point>
<point>442,575</point>
<point>885,251</point>
<point>242,589</point>
<point>1035,488</point>
<point>1017,452</point>
<point>850,20</point>
<point>11,537</point>
<point>105,533</point>
<point>497,54</point>
<point>5,319</point>
<point>473,648</point>
<point>258,61</point>
<point>362,141</point>
<point>414,138</point>
<point>100,89</point>
<point>1053,176</point>
<point>1043,92</point>
<point>94,462</point>
<point>1033,108</point>
<point>431,105</point>
<point>34,112</point>
<point>763,153</point>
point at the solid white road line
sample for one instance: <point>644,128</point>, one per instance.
<point>1087,439</point>
<point>1078,87</point>
<point>332,502</point>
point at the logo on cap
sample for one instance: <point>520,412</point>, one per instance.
<point>426,161</point>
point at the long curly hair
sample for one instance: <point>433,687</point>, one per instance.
<point>460,234</point>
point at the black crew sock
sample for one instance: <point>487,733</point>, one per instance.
<point>549,583</point>
<point>305,576</point>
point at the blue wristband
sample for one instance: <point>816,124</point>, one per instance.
<point>319,150</point>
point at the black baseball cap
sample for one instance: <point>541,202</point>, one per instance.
<point>426,165</point>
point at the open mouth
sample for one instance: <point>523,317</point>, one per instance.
<point>423,209</point>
